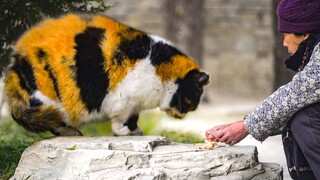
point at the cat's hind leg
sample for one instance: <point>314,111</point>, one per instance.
<point>132,124</point>
<point>128,128</point>
<point>66,131</point>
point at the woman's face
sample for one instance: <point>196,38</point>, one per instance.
<point>292,41</point>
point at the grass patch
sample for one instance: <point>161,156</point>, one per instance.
<point>187,138</point>
<point>14,139</point>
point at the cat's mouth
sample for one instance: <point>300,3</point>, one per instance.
<point>175,113</point>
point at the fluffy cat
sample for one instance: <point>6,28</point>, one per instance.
<point>80,68</point>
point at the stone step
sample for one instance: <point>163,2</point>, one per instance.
<point>139,157</point>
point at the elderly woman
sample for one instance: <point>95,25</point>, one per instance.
<point>296,105</point>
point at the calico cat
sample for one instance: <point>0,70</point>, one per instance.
<point>80,68</point>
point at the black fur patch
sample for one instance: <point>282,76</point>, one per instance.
<point>132,122</point>
<point>41,55</point>
<point>35,102</point>
<point>25,73</point>
<point>54,80</point>
<point>187,96</point>
<point>21,119</point>
<point>90,74</point>
<point>20,122</point>
<point>162,53</point>
<point>134,49</point>
<point>137,48</point>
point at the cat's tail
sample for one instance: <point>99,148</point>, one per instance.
<point>41,118</point>
<point>37,118</point>
<point>32,115</point>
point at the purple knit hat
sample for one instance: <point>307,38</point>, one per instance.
<point>299,16</point>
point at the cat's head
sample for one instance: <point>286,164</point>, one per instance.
<point>187,96</point>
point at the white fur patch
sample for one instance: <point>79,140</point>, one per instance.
<point>47,101</point>
<point>169,90</point>
<point>141,89</point>
<point>156,39</point>
<point>91,117</point>
<point>44,99</point>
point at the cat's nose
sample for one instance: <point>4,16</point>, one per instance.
<point>176,114</point>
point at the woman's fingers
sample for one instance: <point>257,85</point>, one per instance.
<point>233,143</point>
<point>210,137</point>
<point>223,135</point>
<point>211,134</point>
<point>232,134</point>
<point>228,141</point>
<point>229,133</point>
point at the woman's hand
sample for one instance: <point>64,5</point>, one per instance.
<point>229,133</point>
<point>211,134</point>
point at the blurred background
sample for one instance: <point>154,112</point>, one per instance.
<point>235,41</point>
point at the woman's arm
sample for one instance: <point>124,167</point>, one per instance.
<point>278,109</point>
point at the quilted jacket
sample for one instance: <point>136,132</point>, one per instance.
<point>278,108</point>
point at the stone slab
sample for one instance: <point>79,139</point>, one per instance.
<point>138,157</point>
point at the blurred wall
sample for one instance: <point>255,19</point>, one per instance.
<point>238,41</point>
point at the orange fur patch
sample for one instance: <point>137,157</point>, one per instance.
<point>59,47</point>
<point>13,89</point>
<point>115,33</point>
<point>177,68</point>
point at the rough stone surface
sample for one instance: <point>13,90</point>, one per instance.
<point>139,157</point>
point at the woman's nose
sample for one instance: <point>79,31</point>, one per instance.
<point>285,43</point>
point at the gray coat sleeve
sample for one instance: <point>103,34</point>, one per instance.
<point>278,108</point>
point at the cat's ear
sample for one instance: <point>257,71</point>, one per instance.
<point>201,79</point>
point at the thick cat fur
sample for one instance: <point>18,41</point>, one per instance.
<point>80,68</point>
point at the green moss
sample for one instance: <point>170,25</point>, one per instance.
<point>187,137</point>
<point>149,121</point>
<point>97,129</point>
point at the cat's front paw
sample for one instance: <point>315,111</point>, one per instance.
<point>136,132</point>
<point>121,130</point>
<point>124,131</point>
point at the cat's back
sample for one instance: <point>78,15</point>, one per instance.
<point>59,36</point>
